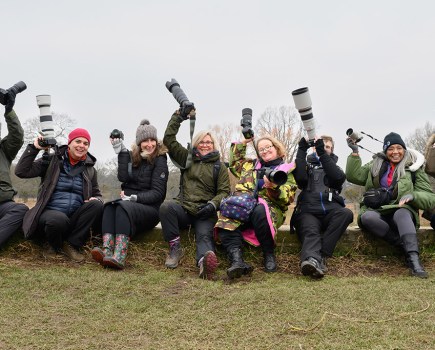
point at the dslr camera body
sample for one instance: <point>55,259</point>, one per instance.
<point>185,105</point>
<point>116,134</point>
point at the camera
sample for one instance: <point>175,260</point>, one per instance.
<point>46,121</point>
<point>302,100</point>
<point>185,105</point>
<point>354,135</point>
<point>16,89</point>
<point>246,123</point>
<point>278,177</point>
<point>117,134</point>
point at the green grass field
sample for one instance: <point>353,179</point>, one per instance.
<point>362,304</point>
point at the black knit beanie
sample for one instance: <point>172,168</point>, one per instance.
<point>393,139</point>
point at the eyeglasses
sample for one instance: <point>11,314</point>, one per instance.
<point>265,149</point>
<point>206,143</point>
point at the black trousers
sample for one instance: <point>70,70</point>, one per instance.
<point>319,234</point>
<point>11,219</point>
<point>58,227</point>
<point>258,221</point>
<point>116,219</point>
<point>173,217</point>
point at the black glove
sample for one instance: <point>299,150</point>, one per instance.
<point>205,211</point>
<point>10,101</point>
<point>352,145</point>
<point>320,147</point>
<point>186,109</point>
<point>303,145</point>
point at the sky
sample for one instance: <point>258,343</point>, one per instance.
<point>369,65</point>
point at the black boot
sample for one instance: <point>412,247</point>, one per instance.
<point>238,266</point>
<point>269,262</point>
<point>394,240</point>
<point>410,244</point>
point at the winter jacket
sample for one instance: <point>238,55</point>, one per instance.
<point>276,201</point>
<point>197,182</point>
<point>49,172</point>
<point>147,181</point>
<point>361,175</point>
<point>321,181</point>
<point>9,147</point>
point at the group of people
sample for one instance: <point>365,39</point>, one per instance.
<point>70,203</point>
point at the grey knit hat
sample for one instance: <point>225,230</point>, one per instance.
<point>145,131</point>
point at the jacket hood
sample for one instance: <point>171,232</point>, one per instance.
<point>162,149</point>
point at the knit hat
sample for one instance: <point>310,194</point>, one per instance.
<point>393,139</point>
<point>145,131</point>
<point>79,132</point>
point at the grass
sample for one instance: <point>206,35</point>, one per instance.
<point>362,303</point>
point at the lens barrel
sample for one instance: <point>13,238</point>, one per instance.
<point>302,100</point>
<point>45,116</point>
<point>175,89</point>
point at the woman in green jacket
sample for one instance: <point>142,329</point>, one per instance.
<point>394,219</point>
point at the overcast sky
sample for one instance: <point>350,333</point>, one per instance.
<point>369,65</point>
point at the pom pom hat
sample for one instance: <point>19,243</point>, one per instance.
<point>145,131</point>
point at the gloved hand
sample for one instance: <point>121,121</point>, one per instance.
<point>10,101</point>
<point>320,147</point>
<point>132,198</point>
<point>117,145</point>
<point>186,109</point>
<point>406,198</point>
<point>303,145</point>
<point>205,211</point>
<point>352,145</point>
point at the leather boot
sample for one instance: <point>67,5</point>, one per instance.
<point>410,244</point>
<point>269,262</point>
<point>238,266</point>
<point>107,250</point>
<point>117,261</point>
<point>395,240</point>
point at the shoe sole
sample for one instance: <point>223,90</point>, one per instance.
<point>210,263</point>
<point>312,271</point>
<point>112,263</point>
<point>98,255</point>
<point>236,272</point>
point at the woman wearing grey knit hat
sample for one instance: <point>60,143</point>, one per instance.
<point>397,187</point>
<point>143,172</point>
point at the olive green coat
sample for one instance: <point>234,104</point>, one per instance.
<point>424,198</point>
<point>197,181</point>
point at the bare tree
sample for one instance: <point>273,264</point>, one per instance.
<point>62,123</point>
<point>418,139</point>
<point>225,134</point>
<point>283,123</point>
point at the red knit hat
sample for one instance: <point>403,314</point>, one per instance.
<point>79,132</point>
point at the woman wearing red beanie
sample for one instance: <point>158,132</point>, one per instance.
<point>69,199</point>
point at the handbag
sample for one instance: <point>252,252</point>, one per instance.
<point>376,197</point>
<point>238,207</point>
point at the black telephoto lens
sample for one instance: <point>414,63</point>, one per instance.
<point>278,177</point>
<point>246,123</point>
<point>18,87</point>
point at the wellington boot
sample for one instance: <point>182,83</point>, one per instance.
<point>117,261</point>
<point>106,251</point>
<point>238,266</point>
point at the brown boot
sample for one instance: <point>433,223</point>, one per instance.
<point>72,253</point>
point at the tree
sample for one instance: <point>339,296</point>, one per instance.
<point>284,124</point>
<point>62,125</point>
<point>225,134</point>
<point>418,139</point>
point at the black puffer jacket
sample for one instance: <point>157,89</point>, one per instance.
<point>28,167</point>
<point>321,181</point>
<point>147,181</point>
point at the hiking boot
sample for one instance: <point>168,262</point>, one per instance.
<point>323,265</point>
<point>269,262</point>
<point>311,267</point>
<point>48,251</point>
<point>72,253</point>
<point>208,265</point>
<point>175,255</point>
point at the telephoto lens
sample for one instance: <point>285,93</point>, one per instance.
<point>302,100</point>
<point>185,105</point>
<point>16,89</point>
<point>278,177</point>
<point>46,121</point>
<point>354,135</point>
<point>246,123</point>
